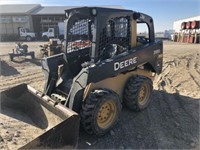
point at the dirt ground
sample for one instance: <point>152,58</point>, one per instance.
<point>170,122</point>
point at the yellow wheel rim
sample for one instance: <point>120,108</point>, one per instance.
<point>106,114</point>
<point>143,94</point>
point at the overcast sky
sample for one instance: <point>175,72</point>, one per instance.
<point>164,12</point>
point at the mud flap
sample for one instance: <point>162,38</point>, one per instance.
<point>58,125</point>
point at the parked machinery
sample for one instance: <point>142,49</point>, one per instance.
<point>53,47</point>
<point>103,64</point>
<point>21,50</point>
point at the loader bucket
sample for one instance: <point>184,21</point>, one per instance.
<point>40,121</point>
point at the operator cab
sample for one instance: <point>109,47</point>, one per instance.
<point>96,34</point>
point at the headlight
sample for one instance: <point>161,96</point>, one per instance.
<point>94,11</point>
<point>66,15</point>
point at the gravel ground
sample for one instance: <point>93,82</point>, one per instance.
<point>170,122</point>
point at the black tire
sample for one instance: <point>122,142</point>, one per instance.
<point>33,55</point>
<point>28,38</point>
<point>45,38</point>
<point>99,103</point>
<point>11,57</point>
<point>137,92</point>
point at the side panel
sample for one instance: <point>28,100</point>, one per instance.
<point>117,83</point>
<point>127,61</point>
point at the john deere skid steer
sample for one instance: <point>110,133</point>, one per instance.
<point>104,64</point>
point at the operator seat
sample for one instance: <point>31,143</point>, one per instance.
<point>109,51</point>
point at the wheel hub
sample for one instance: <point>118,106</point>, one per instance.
<point>106,114</point>
<point>143,94</point>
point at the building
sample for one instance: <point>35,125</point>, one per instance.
<point>187,30</point>
<point>14,16</point>
<point>177,24</point>
<point>34,17</point>
<point>48,17</point>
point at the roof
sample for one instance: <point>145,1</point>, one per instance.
<point>18,8</point>
<point>189,19</point>
<point>54,10</point>
<point>37,9</point>
<point>57,10</point>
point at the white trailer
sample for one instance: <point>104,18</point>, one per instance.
<point>164,35</point>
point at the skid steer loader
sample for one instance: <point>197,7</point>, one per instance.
<point>104,64</point>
